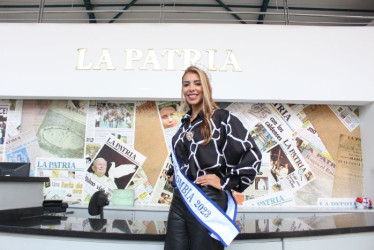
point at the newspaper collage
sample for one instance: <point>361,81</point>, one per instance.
<point>97,140</point>
<point>115,118</point>
<point>117,166</point>
<point>282,132</point>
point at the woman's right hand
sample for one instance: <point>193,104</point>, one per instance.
<point>171,178</point>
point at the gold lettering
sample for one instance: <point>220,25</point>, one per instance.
<point>171,58</point>
<point>211,59</point>
<point>151,59</point>
<point>81,55</point>
<point>106,59</point>
<point>231,60</point>
<point>131,57</point>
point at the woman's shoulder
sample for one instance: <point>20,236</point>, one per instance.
<point>221,114</point>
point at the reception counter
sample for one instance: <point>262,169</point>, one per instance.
<point>21,192</point>
<point>73,231</point>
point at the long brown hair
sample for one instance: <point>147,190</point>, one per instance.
<point>208,104</point>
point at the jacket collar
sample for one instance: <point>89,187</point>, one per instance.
<point>187,116</point>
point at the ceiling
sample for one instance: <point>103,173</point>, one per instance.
<point>290,12</point>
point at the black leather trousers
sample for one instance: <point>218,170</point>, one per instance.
<point>184,232</point>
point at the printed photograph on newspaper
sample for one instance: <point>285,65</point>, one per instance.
<point>113,167</point>
<point>62,131</point>
<point>170,118</point>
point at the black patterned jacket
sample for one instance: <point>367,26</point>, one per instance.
<point>232,154</point>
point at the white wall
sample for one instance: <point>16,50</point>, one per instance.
<point>279,63</point>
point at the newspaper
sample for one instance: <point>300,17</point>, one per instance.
<point>66,178</point>
<point>14,117</point>
<point>141,186</point>
<point>33,113</point>
<point>308,133</point>
<point>274,126</point>
<point>278,199</point>
<point>4,109</point>
<point>163,191</point>
<point>62,131</point>
<point>314,152</point>
<point>337,202</point>
<point>170,118</point>
<point>23,147</point>
<point>116,118</point>
<point>349,171</point>
<point>323,168</point>
<point>114,167</point>
<point>348,115</point>
<point>81,105</point>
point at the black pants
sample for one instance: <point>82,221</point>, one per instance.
<point>184,232</point>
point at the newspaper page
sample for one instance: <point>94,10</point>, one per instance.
<point>141,186</point>
<point>170,118</point>
<point>288,167</point>
<point>323,168</point>
<point>23,147</point>
<point>14,117</point>
<point>163,191</point>
<point>81,105</point>
<point>348,115</point>
<point>113,167</point>
<point>308,133</point>
<point>349,173</point>
<point>66,178</point>
<point>4,109</point>
<point>116,118</point>
<point>62,131</point>
<point>278,199</point>
<point>33,113</point>
<point>244,112</point>
<point>272,127</point>
<point>314,152</point>
<point>337,202</point>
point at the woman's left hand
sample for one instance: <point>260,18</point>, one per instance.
<point>209,179</point>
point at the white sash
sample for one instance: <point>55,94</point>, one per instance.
<point>221,224</point>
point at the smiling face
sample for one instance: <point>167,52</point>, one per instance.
<point>100,167</point>
<point>192,90</point>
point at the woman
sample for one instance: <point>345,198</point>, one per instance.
<point>213,150</point>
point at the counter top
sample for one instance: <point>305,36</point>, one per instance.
<point>241,209</point>
<point>70,226</point>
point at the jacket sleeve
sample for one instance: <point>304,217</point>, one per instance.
<point>243,158</point>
